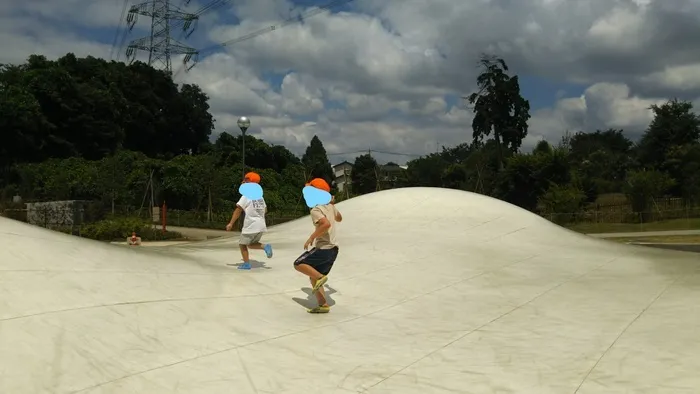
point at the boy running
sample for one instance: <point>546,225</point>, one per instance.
<point>317,262</point>
<point>253,225</point>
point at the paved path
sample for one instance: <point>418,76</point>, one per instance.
<point>641,234</point>
<point>198,234</point>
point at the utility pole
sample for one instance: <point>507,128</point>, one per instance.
<point>160,45</point>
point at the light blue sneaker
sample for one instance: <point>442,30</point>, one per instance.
<point>268,250</point>
<point>244,266</point>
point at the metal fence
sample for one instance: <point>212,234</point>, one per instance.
<point>218,220</point>
<point>71,217</point>
<point>687,218</point>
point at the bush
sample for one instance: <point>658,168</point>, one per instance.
<point>117,229</point>
<point>642,187</point>
<point>562,199</point>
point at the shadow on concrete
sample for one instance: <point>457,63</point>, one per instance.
<point>694,248</point>
<point>254,264</point>
<point>310,300</point>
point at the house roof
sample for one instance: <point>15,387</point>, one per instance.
<point>341,163</point>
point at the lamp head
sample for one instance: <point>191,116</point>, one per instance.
<point>243,123</point>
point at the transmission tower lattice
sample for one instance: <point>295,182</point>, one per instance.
<point>160,45</point>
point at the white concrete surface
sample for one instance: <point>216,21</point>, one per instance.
<point>435,291</point>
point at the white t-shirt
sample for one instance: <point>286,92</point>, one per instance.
<point>254,221</point>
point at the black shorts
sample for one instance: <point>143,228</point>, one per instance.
<point>321,259</point>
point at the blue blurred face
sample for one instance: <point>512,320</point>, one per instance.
<point>314,197</point>
<point>251,191</point>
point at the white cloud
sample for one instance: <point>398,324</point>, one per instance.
<point>379,77</point>
<point>601,106</point>
<point>681,78</point>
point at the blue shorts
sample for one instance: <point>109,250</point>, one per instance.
<point>321,259</point>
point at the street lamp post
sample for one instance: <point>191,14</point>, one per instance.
<point>243,124</point>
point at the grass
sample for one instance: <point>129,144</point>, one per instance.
<point>669,239</point>
<point>665,225</point>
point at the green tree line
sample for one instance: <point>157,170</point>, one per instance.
<point>571,175</point>
<point>566,177</point>
<point>95,130</point>
<point>89,129</point>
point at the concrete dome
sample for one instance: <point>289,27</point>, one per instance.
<point>434,291</point>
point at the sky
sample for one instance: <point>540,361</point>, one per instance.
<point>387,76</point>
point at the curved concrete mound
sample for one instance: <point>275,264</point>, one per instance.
<point>434,291</point>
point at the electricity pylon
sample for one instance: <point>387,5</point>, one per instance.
<point>160,44</point>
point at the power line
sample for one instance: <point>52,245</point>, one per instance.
<point>207,7</point>
<point>165,18</point>
<point>345,153</point>
<point>204,9</point>
<point>116,31</point>
<point>122,41</point>
<point>160,45</point>
<point>377,151</point>
<point>292,20</point>
<point>300,18</point>
<point>399,154</point>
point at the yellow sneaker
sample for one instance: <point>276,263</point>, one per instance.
<point>320,309</point>
<point>319,283</point>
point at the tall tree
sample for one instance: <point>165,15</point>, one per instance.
<point>526,178</point>
<point>542,147</point>
<point>602,159</point>
<point>364,175</point>
<point>643,187</point>
<point>674,124</point>
<point>22,127</point>
<point>612,141</point>
<point>90,108</point>
<point>498,106</point>
<point>316,162</point>
<point>683,164</point>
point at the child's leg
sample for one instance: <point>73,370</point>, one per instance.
<point>244,253</point>
<point>243,243</point>
<point>320,294</point>
<point>317,278</point>
<point>309,271</point>
<point>255,244</point>
<point>307,264</point>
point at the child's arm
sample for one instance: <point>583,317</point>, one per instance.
<point>243,202</point>
<point>338,216</point>
<point>234,217</point>
<point>322,225</point>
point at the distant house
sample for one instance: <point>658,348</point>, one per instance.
<point>389,173</point>
<point>342,172</point>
